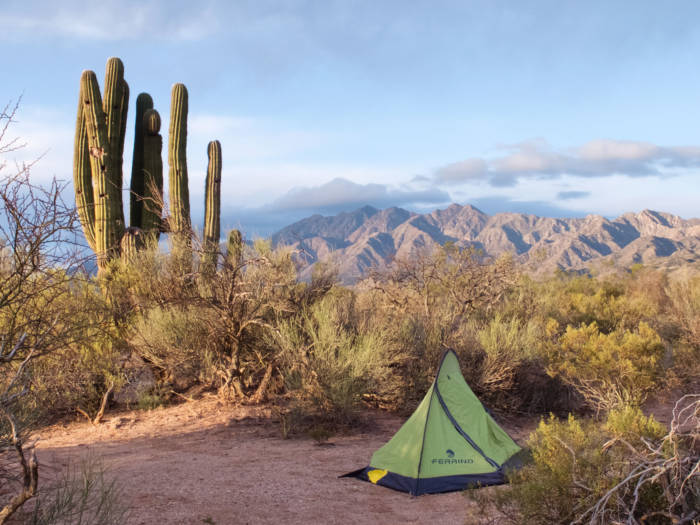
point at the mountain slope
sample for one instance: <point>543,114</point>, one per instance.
<point>367,238</point>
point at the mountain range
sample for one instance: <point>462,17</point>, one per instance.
<point>365,238</point>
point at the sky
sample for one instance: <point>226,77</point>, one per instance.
<point>545,107</point>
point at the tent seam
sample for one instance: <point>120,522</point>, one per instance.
<point>425,426</point>
<point>461,431</point>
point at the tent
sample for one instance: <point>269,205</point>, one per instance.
<point>449,443</point>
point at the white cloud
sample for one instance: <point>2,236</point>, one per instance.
<point>597,158</point>
<point>108,20</point>
<point>342,194</point>
<point>47,140</point>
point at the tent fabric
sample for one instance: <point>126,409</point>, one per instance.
<point>449,443</point>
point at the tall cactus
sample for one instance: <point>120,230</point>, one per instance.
<point>82,176</point>
<point>212,205</point>
<point>144,102</point>
<point>102,126</point>
<point>177,161</point>
<point>115,106</point>
<point>98,172</point>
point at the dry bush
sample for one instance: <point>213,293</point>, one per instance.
<point>177,343</point>
<point>332,358</point>
<point>425,303</point>
<point>83,494</point>
<point>685,311</point>
<point>208,328</point>
<point>506,344</point>
<point>629,470</point>
<point>38,263</point>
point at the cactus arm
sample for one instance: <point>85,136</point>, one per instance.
<point>212,205</point>
<point>115,107</point>
<point>82,177</point>
<point>177,160</point>
<point>152,204</point>
<point>132,241</point>
<point>234,248</point>
<point>109,224</point>
<point>144,102</point>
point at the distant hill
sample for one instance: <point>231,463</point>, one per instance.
<point>369,237</point>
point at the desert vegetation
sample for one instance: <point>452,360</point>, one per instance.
<point>583,353</point>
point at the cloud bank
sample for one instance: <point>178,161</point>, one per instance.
<point>330,198</point>
<point>597,158</point>
<point>109,20</point>
<point>569,195</point>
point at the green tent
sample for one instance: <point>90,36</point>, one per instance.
<point>449,443</point>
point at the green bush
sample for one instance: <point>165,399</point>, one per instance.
<point>612,369</point>
<point>177,342</point>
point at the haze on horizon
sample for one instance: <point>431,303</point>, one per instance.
<point>558,109</point>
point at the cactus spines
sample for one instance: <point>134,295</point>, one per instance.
<point>132,241</point>
<point>152,203</point>
<point>177,161</point>
<point>109,215</point>
<point>234,248</point>
<point>212,204</point>
<point>115,106</point>
<point>82,177</point>
<point>144,102</point>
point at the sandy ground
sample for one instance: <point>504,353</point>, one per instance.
<point>204,462</point>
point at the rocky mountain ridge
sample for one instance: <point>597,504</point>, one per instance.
<point>368,237</point>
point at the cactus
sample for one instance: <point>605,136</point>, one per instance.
<point>144,102</point>
<point>177,161</point>
<point>115,107</point>
<point>98,172</point>
<point>234,248</point>
<point>152,203</point>
<point>212,205</point>
<point>82,177</point>
<point>132,241</point>
<point>108,210</point>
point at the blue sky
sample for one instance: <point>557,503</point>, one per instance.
<point>546,107</point>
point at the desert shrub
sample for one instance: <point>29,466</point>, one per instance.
<point>177,342</point>
<point>84,493</point>
<point>330,358</point>
<point>79,372</point>
<point>509,371</point>
<point>506,344</point>
<point>630,469</point>
<point>150,400</point>
<point>429,302</point>
<point>685,311</point>
<point>617,368</point>
<point>629,423</point>
<point>613,302</point>
<point>420,345</point>
<point>204,327</point>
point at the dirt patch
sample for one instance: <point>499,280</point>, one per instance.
<point>205,462</point>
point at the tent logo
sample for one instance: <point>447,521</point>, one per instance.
<point>450,459</point>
